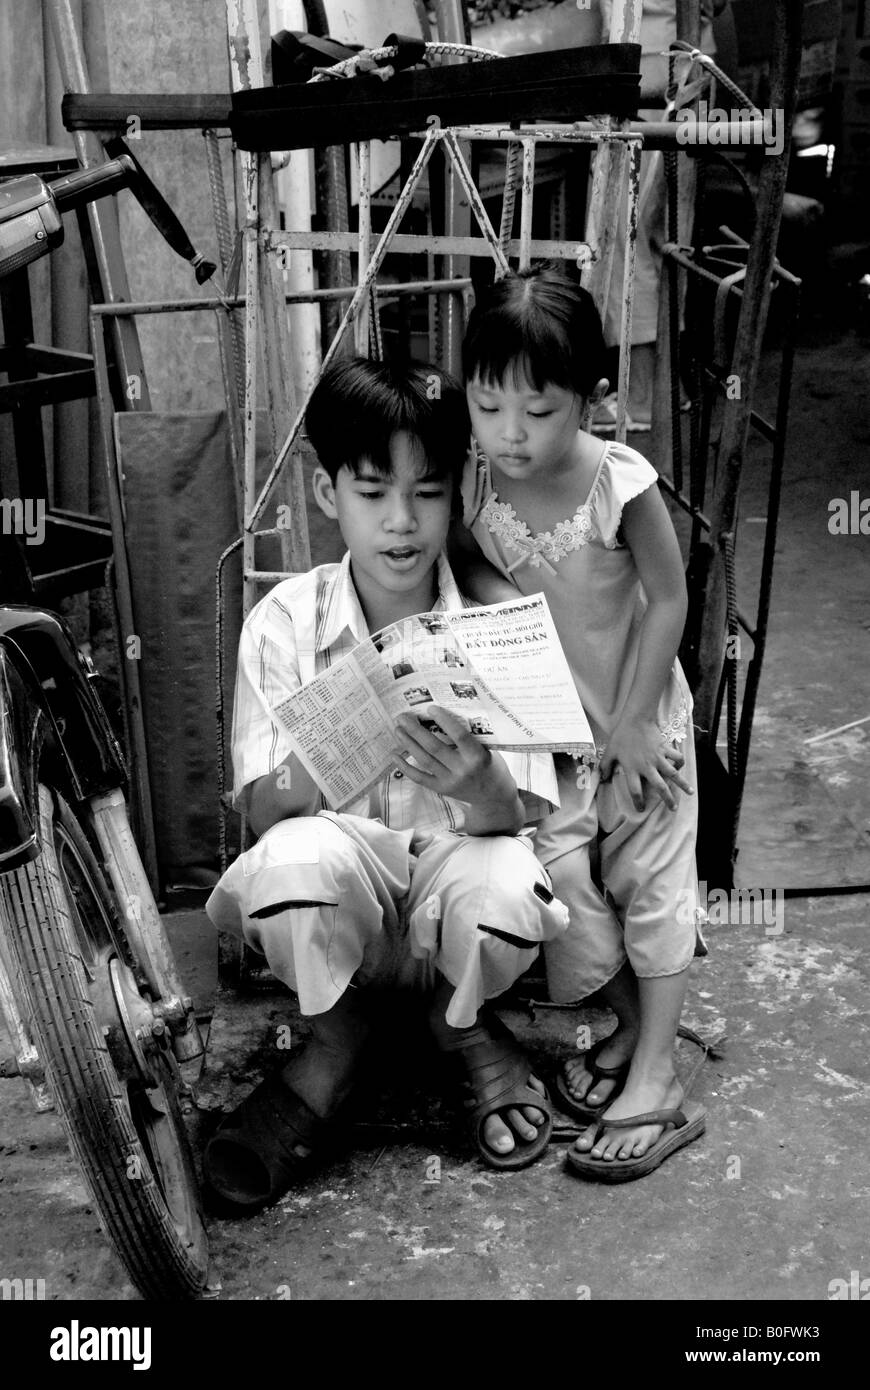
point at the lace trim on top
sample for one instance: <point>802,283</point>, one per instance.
<point>546,546</point>
<point>677,726</point>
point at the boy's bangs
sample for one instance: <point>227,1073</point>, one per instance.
<point>379,463</point>
<point>359,406</point>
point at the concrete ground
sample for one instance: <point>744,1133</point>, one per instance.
<point>771,1203</point>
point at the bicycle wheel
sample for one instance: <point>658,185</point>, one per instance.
<point>109,1065</point>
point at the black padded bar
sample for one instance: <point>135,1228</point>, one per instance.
<point>561,85</point>
<point>153,111</point>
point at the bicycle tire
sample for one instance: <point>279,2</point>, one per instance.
<point>129,1141</point>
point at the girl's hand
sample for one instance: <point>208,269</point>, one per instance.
<point>635,749</point>
<point>455,763</point>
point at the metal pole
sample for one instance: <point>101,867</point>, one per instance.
<point>527,201</point>
<point>180,306</point>
<point>252,339</point>
<point>102,216</point>
<point>609,172</point>
<point>744,364</point>
<point>243,31</point>
<point>628,269</point>
<point>138,751</point>
<point>364,241</point>
<point>452,27</point>
<point>353,307</point>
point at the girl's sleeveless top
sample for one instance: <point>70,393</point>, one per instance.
<point>590,580</point>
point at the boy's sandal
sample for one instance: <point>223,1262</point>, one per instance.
<point>686,1124</point>
<point>497,1073</point>
<point>251,1160</point>
<point>578,1109</point>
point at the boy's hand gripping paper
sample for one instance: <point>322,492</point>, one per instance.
<point>500,668</point>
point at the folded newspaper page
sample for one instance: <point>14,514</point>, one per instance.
<point>500,668</point>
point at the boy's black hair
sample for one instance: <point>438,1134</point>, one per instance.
<point>358,405</point>
<point>541,320</point>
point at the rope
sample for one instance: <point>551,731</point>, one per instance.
<point>366,61</point>
<point>681,49</point>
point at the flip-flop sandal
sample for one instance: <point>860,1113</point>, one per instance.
<point>496,1072</point>
<point>251,1159</point>
<point>688,1123</point>
<point>578,1109</point>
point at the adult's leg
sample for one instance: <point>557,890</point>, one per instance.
<point>317,896</point>
<point>502,1129</point>
<point>323,1072</point>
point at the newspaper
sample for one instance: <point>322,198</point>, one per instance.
<point>500,668</point>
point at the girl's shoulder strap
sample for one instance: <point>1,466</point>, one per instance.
<point>624,475</point>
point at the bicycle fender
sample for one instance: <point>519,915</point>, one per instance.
<point>51,676</point>
<point>23,726</point>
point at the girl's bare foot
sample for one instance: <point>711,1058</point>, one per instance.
<point>641,1095</point>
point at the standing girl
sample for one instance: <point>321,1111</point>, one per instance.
<point>557,510</point>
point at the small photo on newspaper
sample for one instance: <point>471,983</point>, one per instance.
<point>500,669</point>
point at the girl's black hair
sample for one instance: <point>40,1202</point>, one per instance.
<point>538,321</point>
<point>358,405</point>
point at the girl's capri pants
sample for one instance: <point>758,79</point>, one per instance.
<point>333,899</point>
<point>628,878</point>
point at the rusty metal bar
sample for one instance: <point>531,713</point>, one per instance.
<point>364,241</point>
<point>411,244</point>
<point>527,202</point>
<point>350,314</point>
<point>180,306</point>
<point>610,173</point>
<point>668,135</point>
<point>753,313</point>
<point>759,635</point>
<point>138,750</point>
<point>629,261</point>
<point>474,199</point>
<point>452,27</point>
<point>102,217</point>
<point>252,323</point>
